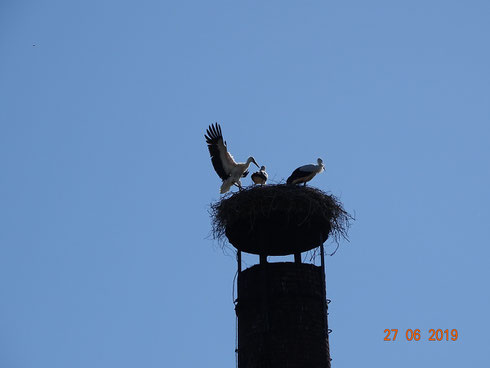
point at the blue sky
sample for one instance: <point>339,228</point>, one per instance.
<point>105,254</point>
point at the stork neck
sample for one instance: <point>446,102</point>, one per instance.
<point>249,161</point>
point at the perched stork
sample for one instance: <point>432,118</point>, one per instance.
<point>225,166</point>
<point>305,173</point>
<point>259,177</point>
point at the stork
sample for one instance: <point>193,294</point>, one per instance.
<point>305,173</point>
<point>223,162</point>
<point>260,177</point>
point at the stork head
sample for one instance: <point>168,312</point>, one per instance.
<point>321,165</point>
<point>250,160</point>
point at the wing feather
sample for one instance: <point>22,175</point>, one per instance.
<point>298,173</point>
<point>308,168</point>
<point>222,160</point>
<point>303,174</point>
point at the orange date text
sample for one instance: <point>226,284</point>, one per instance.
<point>415,335</point>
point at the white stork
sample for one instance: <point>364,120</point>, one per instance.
<point>225,166</point>
<point>260,177</point>
<point>305,173</point>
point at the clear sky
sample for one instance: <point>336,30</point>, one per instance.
<point>105,183</point>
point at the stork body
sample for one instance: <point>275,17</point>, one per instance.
<point>223,162</point>
<point>260,177</point>
<point>305,173</point>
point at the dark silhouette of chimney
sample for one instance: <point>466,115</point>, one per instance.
<point>281,307</point>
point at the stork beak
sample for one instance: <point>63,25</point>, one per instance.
<point>256,164</point>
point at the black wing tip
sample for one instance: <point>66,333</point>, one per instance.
<point>296,174</point>
<point>213,133</point>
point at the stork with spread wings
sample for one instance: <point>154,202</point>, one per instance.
<point>224,164</point>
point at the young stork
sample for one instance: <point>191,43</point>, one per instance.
<point>305,173</point>
<point>259,177</point>
<point>225,166</point>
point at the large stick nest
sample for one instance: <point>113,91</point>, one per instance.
<point>278,219</point>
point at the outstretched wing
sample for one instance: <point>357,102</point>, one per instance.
<point>222,160</point>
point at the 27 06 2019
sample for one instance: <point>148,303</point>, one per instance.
<point>415,335</point>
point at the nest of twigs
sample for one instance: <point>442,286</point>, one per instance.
<point>278,219</point>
